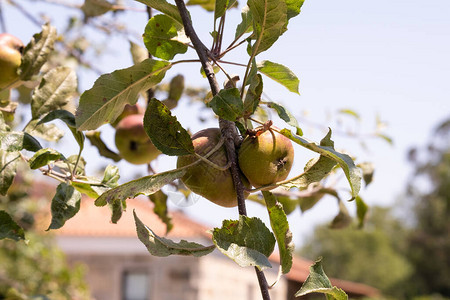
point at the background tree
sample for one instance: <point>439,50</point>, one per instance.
<point>429,193</point>
<point>372,255</point>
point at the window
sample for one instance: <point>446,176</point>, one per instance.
<point>135,285</point>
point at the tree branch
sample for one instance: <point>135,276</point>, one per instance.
<point>227,128</point>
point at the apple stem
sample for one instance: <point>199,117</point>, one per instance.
<point>228,129</point>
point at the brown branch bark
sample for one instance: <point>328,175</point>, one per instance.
<point>227,128</point>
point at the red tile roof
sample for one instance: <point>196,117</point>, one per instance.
<point>95,221</point>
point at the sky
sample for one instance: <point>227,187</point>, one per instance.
<point>386,59</point>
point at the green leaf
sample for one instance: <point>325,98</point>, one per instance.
<point>227,104</point>
<point>280,227</point>
<point>111,176</point>
<point>284,114</point>
<point>9,229</point>
<point>318,282</point>
<point>94,8</point>
<point>159,200</point>
<point>165,131</point>
<point>368,169</point>
<point>162,247</point>
<point>55,90</point>
<point>143,186</point>
<point>176,87</point>
<point>8,166</point>
<point>138,53</point>
<point>17,141</point>
<point>350,112</point>
<point>44,157</point>
<point>117,208</point>
<point>361,211</point>
<point>65,205</point>
<point>246,22</point>
<point>37,51</point>
<point>208,5</point>
<point>352,173</point>
<point>48,132</point>
<point>343,218</point>
<point>68,118</point>
<point>316,169</point>
<point>312,197</point>
<point>164,7</point>
<point>293,7</point>
<point>269,22</point>
<point>253,95</point>
<point>221,6</point>
<point>161,37</point>
<point>105,101</point>
<point>248,242</point>
<point>103,150</point>
<point>281,74</point>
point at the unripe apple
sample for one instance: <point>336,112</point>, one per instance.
<point>203,179</point>
<point>10,59</point>
<point>132,141</point>
<point>127,111</point>
<point>265,158</point>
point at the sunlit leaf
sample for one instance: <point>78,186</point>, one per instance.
<point>161,37</point>
<point>316,169</point>
<point>65,205</point>
<point>164,7</point>
<point>227,104</point>
<point>54,91</point>
<point>350,112</point>
<point>48,132</point>
<point>352,173</point>
<point>284,114</point>
<point>269,22</point>
<point>165,131</point>
<point>9,228</point>
<point>37,51</point>
<point>208,5</point>
<point>281,74</point>
<point>280,227</point>
<point>143,186</point>
<point>248,241</point>
<point>105,101</point>
<point>318,282</point>
<point>293,7</point>
<point>8,166</point>
<point>246,22</point>
<point>44,157</point>
<point>159,246</point>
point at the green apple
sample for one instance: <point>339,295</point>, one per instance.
<point>132,141</point>
<point>265,157</point>
<point>203,179</point>
<point>10,59</point>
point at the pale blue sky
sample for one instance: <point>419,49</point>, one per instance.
<point>388,58</point>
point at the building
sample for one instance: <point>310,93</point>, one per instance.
<point>120,268</point>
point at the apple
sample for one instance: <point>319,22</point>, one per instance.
<point>205,180</point>
<point>132,141</point>
<point>10,59</point>
<point>127,111</point>
<point>265,157</point>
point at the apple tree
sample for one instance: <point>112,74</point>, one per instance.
<point>244,157</point>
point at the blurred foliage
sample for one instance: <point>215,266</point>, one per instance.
<point>35,267</point>
<point>38,268</point>
<point>372,256</point>
<point>429,191</point>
